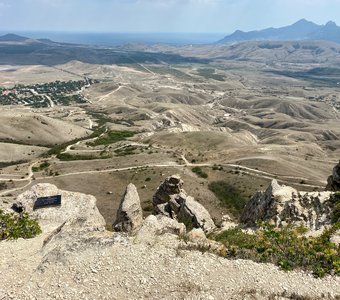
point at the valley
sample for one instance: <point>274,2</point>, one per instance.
<point>105,117</point>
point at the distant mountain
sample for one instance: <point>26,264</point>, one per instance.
<point>13,38</point>
<point>301,30</point>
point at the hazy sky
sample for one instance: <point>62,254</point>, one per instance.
<point>161,15</point>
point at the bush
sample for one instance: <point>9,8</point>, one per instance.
<point>229,196</point>
<point>14,226</point>
<point>285,247</point>
<point>199,172</point>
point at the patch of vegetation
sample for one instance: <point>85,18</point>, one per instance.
<point>210,73</point>
<point>43,166</point>
<point>286,247</point>
<point>14,226</point>
<point>3,186</point>
<point>100,117</point>
<point>57,149</point>
<point>70,157</point>
<point>270,46</point>
<point>5,164</point>
<point>128,150</point>
<point>199,172</point>
<point>111,137</point>
<point>229,196</point>
<point>317,77</point>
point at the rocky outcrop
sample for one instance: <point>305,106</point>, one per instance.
<point>172,201</point>
<point>130,215</point>
<point>281,205</point>
<point>171,186</point>
<point>333,182</point>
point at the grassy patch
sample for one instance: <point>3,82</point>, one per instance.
<point>210,73</point>
<point>12,163</point>
<point>128,150</point>
<point>285,247</point>
<point>199,172</point>
<point>57,149</point>
<point>43,166</point>
<point>14,226</point>
<point>70,157</point>
<point>229,196</point>
<point>111,137</point>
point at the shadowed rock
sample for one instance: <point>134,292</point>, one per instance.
<point>172,201</point>
<point>333,182</point>
<point>130,214</point>
<point>172,185</point>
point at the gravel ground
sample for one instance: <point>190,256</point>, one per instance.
<point>102,267</point>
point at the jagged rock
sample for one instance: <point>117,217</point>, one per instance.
<point>154,226</point>
<point>333,181</point>
<point>130,213</point>
<point>171,186</point>
<point>172,201</point>
<point>75,208</point>
<point>281,205</point>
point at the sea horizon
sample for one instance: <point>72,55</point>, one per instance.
<point>122,38</point>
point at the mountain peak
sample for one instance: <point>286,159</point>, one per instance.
<point>11,37</point>
<point>331,24</point>
<point>302,21</point>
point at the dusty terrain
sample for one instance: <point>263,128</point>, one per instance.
<point>257,113</point>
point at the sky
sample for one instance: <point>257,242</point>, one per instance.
<point>223,16</point>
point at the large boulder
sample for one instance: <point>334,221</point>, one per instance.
<point>172,201</point>
<point>75,208</point>
<point>155,226</point>
<point>130,213</point>
<point>282,205</point>
<point>194,212</point>
<point>333,182</point>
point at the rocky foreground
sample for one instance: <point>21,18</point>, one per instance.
<point>152,258</point>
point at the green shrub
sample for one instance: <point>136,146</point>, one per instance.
<point>128,150</point>
<point>14,226</point>
<point>59,148</point>
<point>70,157</point>
<point>285,247</point>
<point>229,196</point>
<point>111,137</point>
<point>199,172</point>
<point>43,166</point>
